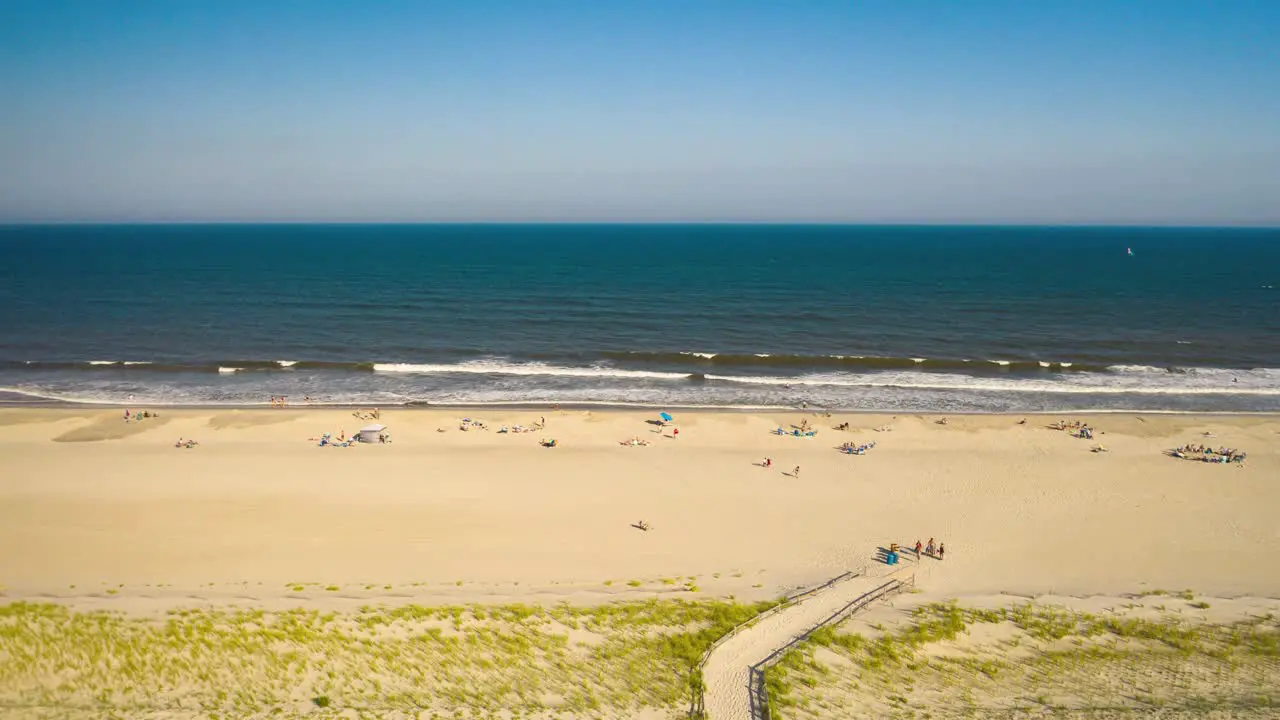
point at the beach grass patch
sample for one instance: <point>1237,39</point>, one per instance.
<point>379,661</point>
<point>1084,664</point>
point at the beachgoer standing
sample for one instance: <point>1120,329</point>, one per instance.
<point>919,547</point>
<point>928,549</point>
<point>796,473</point>
<point>768,462</point>
<point>942,550</point>
<point>675,433</point>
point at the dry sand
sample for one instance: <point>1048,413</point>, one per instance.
<point>89,501</point>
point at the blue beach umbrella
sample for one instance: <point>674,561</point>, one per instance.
<point>665,416</point>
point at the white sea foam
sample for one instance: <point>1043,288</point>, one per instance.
<point>227,370</point>
<point>286,363</point>
<point>53,396</point>
<point>499,367</point>
<point>137,362</point>
<point>1045,364</point>
<point>1001,363</point>
<point>102,362</point>
<point>1262,382</point>
<point>1137,369</point>
<point>705,356</point>
<point>918,360</point>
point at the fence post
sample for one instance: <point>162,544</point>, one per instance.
<point>756,676</point>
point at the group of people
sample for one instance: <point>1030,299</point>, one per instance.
<point>278,401</point>
<point>1208,454</point>
<point>326,440</point>
<point>1075,429</point>
<point>468,424</point>
<point>188,444</point>
<point>852,449</point>
<point>935,551</point>
<point>138,415</point>
<point>797,432</point>
<point>517,429</point>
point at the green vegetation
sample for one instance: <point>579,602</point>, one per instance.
<point>1033,658</point>
<point>377,661</point>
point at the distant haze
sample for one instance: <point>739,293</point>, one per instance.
<point>1150,111</point>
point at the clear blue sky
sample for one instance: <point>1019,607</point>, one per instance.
<point>1159,111</point>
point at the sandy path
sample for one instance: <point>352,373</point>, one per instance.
<point>727,672</point>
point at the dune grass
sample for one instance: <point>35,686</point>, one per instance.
<point>381,661</point>
<point>1044,659</point>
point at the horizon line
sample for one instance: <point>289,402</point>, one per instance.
<point>652,223</point>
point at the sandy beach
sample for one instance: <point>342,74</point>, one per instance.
<point>91,501</point>
<point>97,513</point>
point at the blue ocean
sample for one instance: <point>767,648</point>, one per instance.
<point>912,319</point>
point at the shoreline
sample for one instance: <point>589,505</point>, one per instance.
<point>415,406</point>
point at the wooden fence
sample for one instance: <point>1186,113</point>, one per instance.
<point>697,708</point>
<point>760,694</point>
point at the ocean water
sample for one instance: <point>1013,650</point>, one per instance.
<point>947,319</point>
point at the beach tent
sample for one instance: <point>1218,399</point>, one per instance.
<point>370,433</point>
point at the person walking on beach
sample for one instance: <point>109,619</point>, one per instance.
<point>768,462</point>
<point>942,550</point>
<point>928,549</point>
<point>796,473</point>
<point>919,547</point>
